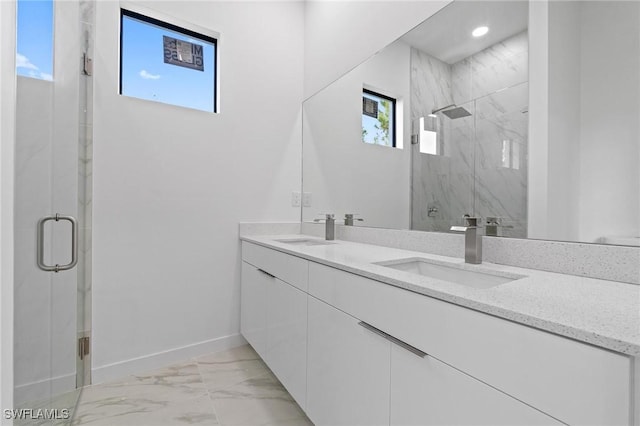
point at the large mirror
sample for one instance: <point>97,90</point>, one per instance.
<point>466,114</point>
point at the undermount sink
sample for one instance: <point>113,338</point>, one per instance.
<point>304,242</point>
<point>451,272</point>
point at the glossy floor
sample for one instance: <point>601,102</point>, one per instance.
<point>227,388</point>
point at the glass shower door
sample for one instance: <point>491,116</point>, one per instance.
<point>50,210</point>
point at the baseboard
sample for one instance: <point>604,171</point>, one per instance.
<point>41,390</point>
<point>121,369</point>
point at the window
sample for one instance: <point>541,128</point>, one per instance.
<point>34,40</point>
<point>428,136</point>
<point>165,63</point>
<point>510,154</point>
<point>378,119</point>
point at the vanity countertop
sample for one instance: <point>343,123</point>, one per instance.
<point>598,312</point>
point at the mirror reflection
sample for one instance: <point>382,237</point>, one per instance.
<point>437,125</point>
<point>469,99</point>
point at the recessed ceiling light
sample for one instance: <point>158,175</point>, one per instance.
<point>480,31</point>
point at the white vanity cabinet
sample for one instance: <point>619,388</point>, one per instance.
<point>425,391</point>
<point>570,381</point>
<point>356,351</point>
<point>274,314</point>
<point>348,370</point>
<point>359,375</point>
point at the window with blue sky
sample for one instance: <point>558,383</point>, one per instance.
<point>34,56</point>
<point>165,63</point>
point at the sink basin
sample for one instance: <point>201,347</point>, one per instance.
<point>451,272</point>
<point>305,242</point>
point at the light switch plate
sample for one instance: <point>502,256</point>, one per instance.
<point>295,199</point>
<point>306,199</point>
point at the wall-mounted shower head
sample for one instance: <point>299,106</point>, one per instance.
<point>452,111</point>
<point>458,112</point>
<point>440,109</point>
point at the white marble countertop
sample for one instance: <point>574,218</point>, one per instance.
<point>598,312</point>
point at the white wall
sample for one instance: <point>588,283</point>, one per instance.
<point>564,89</point>
<point>7,138</point>
<point>609,120</point>
<point>345,175</point>
<point>538,180</point>
<point>584,173</point>
<point>171,185</point>
<point>339,35</point>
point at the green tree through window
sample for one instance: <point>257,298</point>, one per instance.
<point>378,116</point>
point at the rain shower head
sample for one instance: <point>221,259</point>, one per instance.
<point>458,112</point>
<point>452,111</point>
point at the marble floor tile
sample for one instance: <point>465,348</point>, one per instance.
<point>148,411</point>
<point>229,368</point>
<point>258,401</point>
<point>181,378</point>
<point>233,387</point>
<point>66,401</point>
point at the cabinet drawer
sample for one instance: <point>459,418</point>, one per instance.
<point>425,391</point>
<point>286,353</point>
<point>571,381</point>
<point>253,310</point>
<point>347,370</point>
<point>290,269</point>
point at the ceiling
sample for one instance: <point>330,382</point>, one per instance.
<point>447,34</point>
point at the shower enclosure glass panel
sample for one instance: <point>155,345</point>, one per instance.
<point>501,160</point>
<point>471,119</point>
<point>50,173</point>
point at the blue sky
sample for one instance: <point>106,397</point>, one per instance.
<point>35,39</point>
<point>144,73</point>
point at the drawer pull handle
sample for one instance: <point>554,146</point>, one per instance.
<point>266,273</point>
<point>392,339</point>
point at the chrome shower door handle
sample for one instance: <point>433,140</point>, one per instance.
<point>74,243</point>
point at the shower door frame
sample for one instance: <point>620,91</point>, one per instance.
<point>7,151</point>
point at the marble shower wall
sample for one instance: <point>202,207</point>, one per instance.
<point>431,175</point>
<point>483,169</point>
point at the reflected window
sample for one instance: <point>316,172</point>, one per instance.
<point>378,119</point>
<point>165,63</point>
<point>510,154</point>
<point>34,39</point>
<point>428,136</point>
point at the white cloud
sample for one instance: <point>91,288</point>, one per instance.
<point>24,62</point>
<point>148,76</point>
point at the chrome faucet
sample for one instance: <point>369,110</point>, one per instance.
<point>329,227</point>
<point>493,226</point>
<point>349,219</point>
<point>472,240</point>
